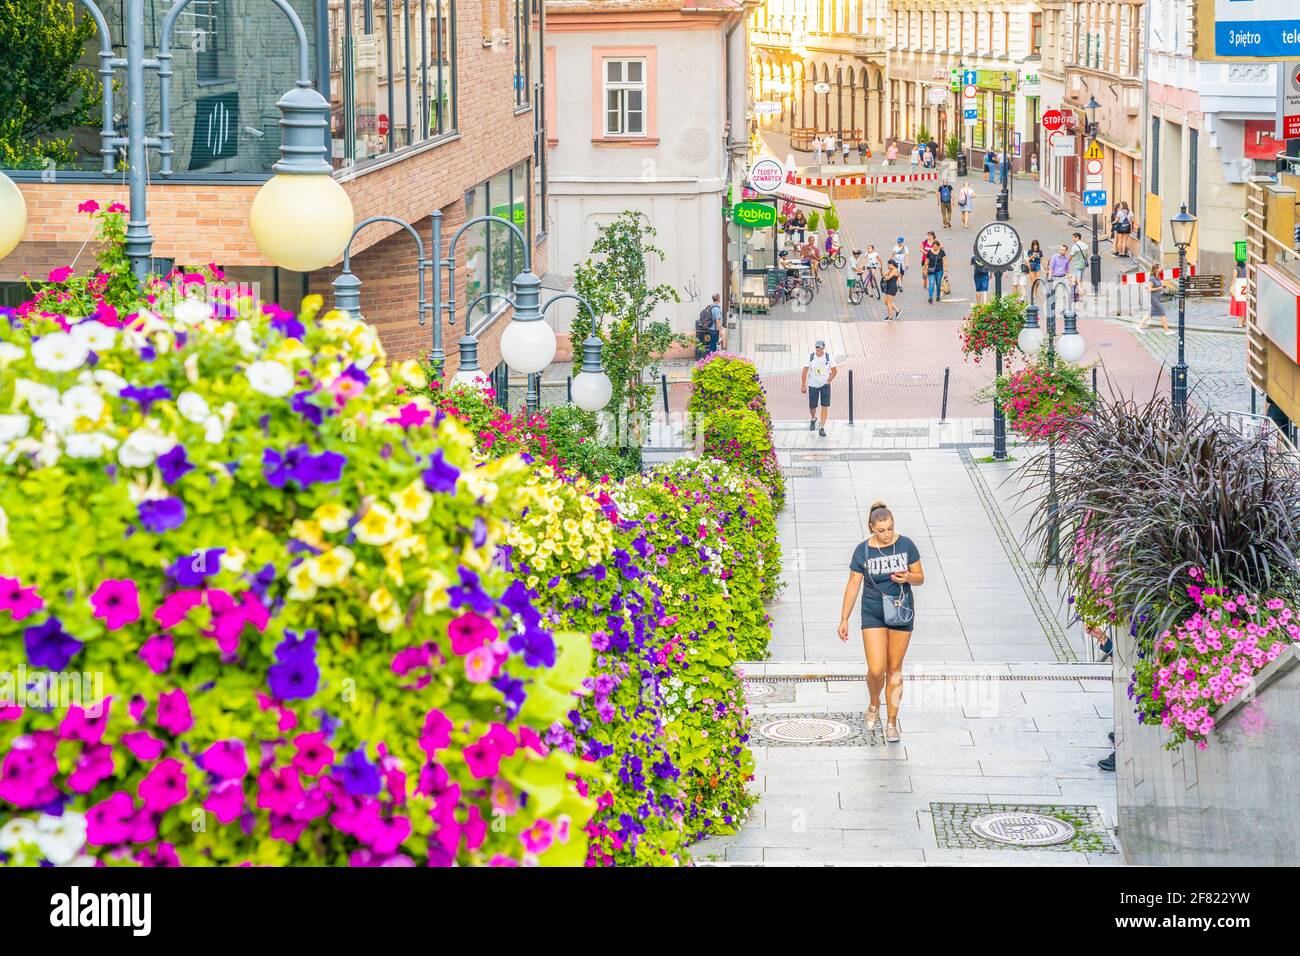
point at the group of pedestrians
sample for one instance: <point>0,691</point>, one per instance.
<point>826,148</point>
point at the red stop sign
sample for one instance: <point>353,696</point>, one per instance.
<point>1053,120</point>
<point>383,124</point>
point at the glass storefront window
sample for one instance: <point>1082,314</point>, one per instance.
<point>493,254</point>
<point>232,60</point>
<point>392,75</point>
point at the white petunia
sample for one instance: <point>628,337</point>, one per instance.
<point>192,407</point>
<point>143,447</point>
<point>191,311</point>
<point>213,430</point>
<point>111,382</point>
<point>97,336</point>
<point>83,401</point>
<point>10,353</point>
<point>270,378</point>
<point>17,831</point>
<point>13,427</point>
<point>88,444</point>
<point>61,838</point>
<point>4,528</point>
<point>59,352</point>
<point>41,399</point>
<point>244,338</point>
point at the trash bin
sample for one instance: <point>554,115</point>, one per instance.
<point>961,164</point>
<point>703,342</point>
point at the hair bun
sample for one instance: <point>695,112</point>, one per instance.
<point>878,504</point>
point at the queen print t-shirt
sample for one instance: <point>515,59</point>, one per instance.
<point>880,563</point>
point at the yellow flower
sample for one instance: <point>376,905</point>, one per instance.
<point>413,502</point>
<point>233,560</point>
<point>308,531</point>
<point>302,589</point>
<point>570,526</point>
<point>480,559</point>
<point>529,547</point>
<point>390,620</point>
<point>478,484</point>
<point>332,517</point>
<point>435,593</point>
<point>378,526</point>
<point>532,581</point>
<point>381,600</point>
<point>290,351</point>
<point>410,373</point>
<point>332,567</point>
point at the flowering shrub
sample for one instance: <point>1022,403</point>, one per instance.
<point>993,326</point>
<point>1209,658</point>
<point>714,625</point>
<point>1089,570</point>
<point>726,381</point>
<point>284,570</point>
<point>741,439</point>
<point>1041,402</point>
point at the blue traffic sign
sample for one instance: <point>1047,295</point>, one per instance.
<point>1094,197</point>
<point>970,114</point>
<point>969,78</point>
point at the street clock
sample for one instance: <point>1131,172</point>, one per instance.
<point>998,246</point>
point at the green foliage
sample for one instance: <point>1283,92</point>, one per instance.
<point>728,408</point>
<point>832,218</point>
<point>923,135</point>
<point>814,218</point>
<point>723,380</point>
<point>615,281</point>
<point>993,326</point>
<point>44,91</point>
<point>953,146</point>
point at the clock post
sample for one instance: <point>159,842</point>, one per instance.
<point>998,248</point>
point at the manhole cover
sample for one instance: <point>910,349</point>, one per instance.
<point>819,456</point>
<point>878,456</point>
<point>1023,829</point>
<point>801,471</point>
<point>805,730</point>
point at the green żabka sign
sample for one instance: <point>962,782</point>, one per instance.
<point>756,215</point>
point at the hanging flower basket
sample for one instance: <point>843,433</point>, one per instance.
<point>993,327</point>
<point>1041,402</point>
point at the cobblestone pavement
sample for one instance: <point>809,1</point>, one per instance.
<point>1003,708</point>
<point>1216,366</point>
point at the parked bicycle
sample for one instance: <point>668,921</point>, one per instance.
<point>825,262</point>
<point>793,288</point>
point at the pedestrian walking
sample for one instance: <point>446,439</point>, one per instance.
<point>1058,267</point>
<point>819,151</point>
<point>934,265</point>
<point>816,381</point>
<point>844,148</point>
<point>1078,261</point>
<point>719,325</point>
<point>891,153</point>
<point>965,204</point>
<point>863,152</point>
<point>889,289</point>
<point>1157,308</point>
<point>988,166</point>
<point>926,243</point>
<point>1034,259</point>
<point>830,149</point>
<point>981,281</point>
<point>885,568</point>
<point>945,203</point>
<point>933,149</point>
<point>899,258</point>
<point>914,157</point>
<point>1123,228</point>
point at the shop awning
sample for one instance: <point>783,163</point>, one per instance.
<point>802,196</point>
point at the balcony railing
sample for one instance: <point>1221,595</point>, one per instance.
<point>847,43</point>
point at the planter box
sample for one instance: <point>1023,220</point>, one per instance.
<point>1233,804</point>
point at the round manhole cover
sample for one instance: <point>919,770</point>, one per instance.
<point>756,690</point>
<point>1022,828</point>
<point>805,730</point>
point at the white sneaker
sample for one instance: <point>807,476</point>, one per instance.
<point>891,733</point>
<point>1169,331</point>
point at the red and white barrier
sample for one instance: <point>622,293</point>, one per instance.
<point>1166,275</point>
<point>864,180</point>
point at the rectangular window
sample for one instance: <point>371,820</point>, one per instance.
<point>494,254</point>
<point>625,97</point>
<point>1035,34</point>
<point>211,38</point>
<point>392,75</point>
<point>1155,155</point>
<point>1193,167</point>
<point>523,52</point>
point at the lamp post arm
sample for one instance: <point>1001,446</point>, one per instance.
<point>591,313</point>
<point>519,234</point>
<point>108,138</point>
<point>486,296</point>
<point>165,135</point>
<point>421,263</point>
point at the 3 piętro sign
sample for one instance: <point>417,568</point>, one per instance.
<point>1247,29</point>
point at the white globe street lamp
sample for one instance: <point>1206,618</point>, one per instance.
<point>591,387</point>
<point>469,373</point>
<point>528,343</point>
<point>13,215</point>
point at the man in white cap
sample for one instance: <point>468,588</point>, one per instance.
<point>816,381</point>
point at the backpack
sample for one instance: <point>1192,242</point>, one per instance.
<point>945,194</point>
<point>705,322</point>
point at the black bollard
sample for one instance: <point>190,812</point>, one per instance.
<point>1094,381</point>
<point>568,389</point>
<point>663,378</point>
<point>943,412</point>
<point>850,396</point>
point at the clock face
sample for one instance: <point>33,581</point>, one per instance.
<point>998,245</point>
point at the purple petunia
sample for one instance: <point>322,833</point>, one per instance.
<point>299,465</point>
<point>284,321</point>
<point>441,475</point>
<point>49,645</point>
<point>296,676</point>
<point>191,570</point>
<point>162,514</point>
<point>174,464</point>
<point>146,395</point>
<point>360,776</point>
<point>302,404</point>
<point>512,689</point>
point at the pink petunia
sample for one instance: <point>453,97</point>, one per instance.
<point>116,207</point>
<point>279,790</point>
<point>174,712</point>
<point>78,726</point>
<point>60,274</point>
<point>410,415</point>
<point>19,601</point>
<point>144,745</point>
<point>157,652</point>
<point>108,821</point>
<point>176,606</point>
<point>480,665</point>
<point>225,759</point>
<point>164,786</point>
<point>88,206</point>
<point>313,754</point>
<point>226,801</point>
<point>437,732</point>
<point>470,631</point>
<point>116,602</point>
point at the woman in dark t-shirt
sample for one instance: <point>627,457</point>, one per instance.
<point>892,565</point>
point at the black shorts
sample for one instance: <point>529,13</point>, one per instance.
<point>873,615</point>
<point>819,396</point>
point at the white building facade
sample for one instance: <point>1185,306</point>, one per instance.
<point>637,119</point>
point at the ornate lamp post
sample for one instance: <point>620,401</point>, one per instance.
<point>1182,227</point>
<point>1004,197</point>
<point>1070,348</point>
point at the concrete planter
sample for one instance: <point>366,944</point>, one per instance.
<point>1233,804</point>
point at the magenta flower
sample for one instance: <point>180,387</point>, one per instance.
<point>19,601</point>
<point>157,652</point>
<point>225,759</point>
<point>144,745</point>
<point>176,606</point>
<point>313,754</point>
<point>279,790</point>
<point>109,821</point>
<point>470,631</point>
<point>116,207</point>
<point>60,274</point>
<point>116,602</point>
<point>174,712</point>
<point>164,786</point>
<point>410,415</point>
<point>480,665</point>
<point>88,206</point>
<point>76,726</point>
<point>94,765</point>
<point>437,732</point>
